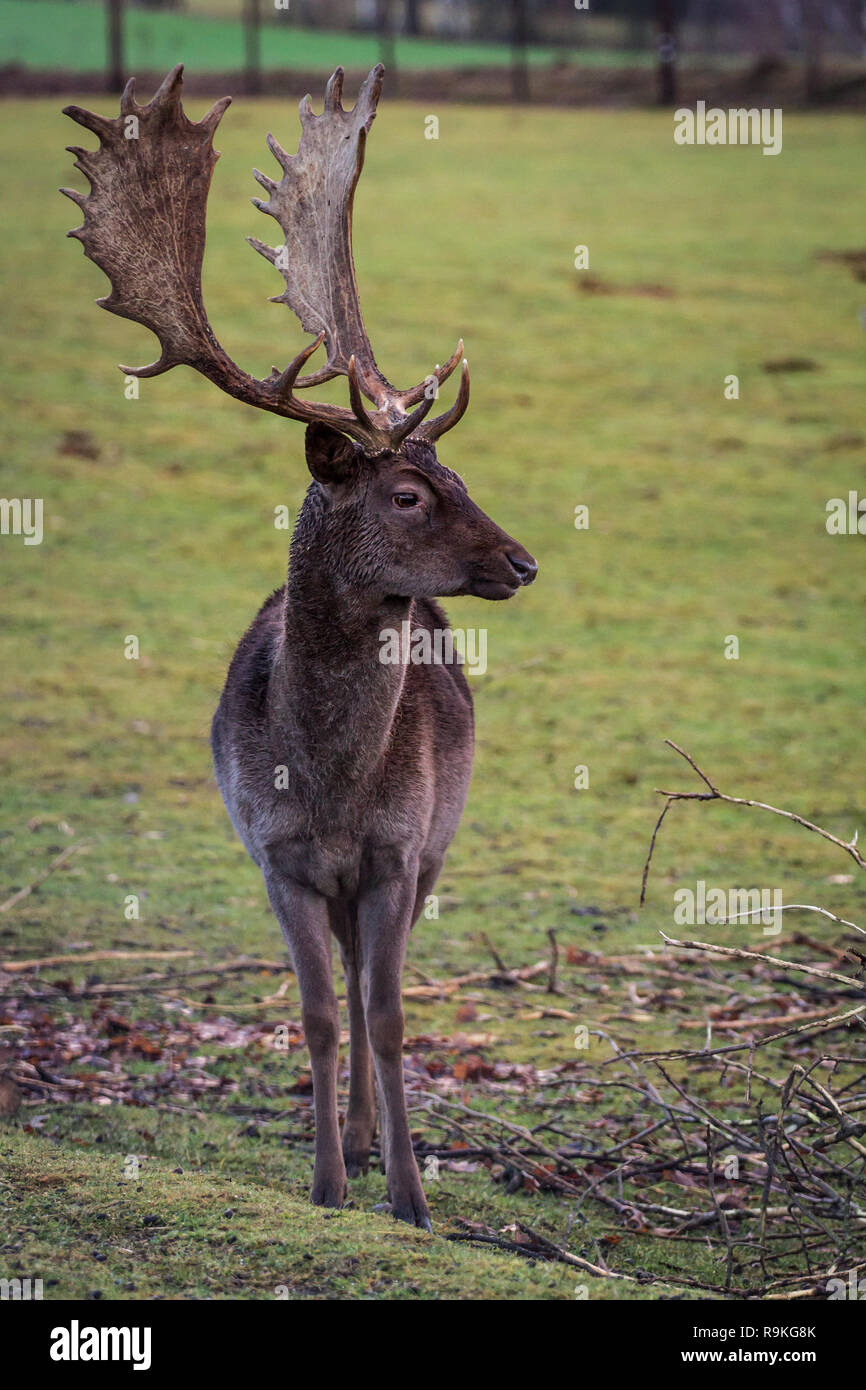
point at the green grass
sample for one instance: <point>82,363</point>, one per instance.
<point>174,1234</point>
<point>707,519</point>
<point>56,34</point>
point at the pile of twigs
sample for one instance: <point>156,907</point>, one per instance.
<point>765,1138</point>
<point>744,1147</point>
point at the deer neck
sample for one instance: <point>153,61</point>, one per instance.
<point>332,698</point>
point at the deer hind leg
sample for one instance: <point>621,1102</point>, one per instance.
<point>360,1125</point>
<point>384,922</point>
<point>303,916</point>
<point>426,881</point>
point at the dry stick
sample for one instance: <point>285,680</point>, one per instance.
<point>789,1090</point>
<point>713,794</point>
<point>544,1250</point>
<point>13,966</point>
<point>500,964</point>
<point>684,1053</point>
<point>519,977</point>
<point>722,1218</point>
<point>795,1293</point>
<point>857,985</point>
<point>733,1025</point>
<point>146,984</point>
<point>696,1105</point>
<point>556,1252</point>
<point>656,829</point>
<point>554,961</point>
<point>804,1246</point>
<point>791,907</point>
<point>844,1119</point>
<point>541,1248</point>
<point>41,877</point>
<point>822,948</point>
<point>770,1152</point>
<point>519,1130</point>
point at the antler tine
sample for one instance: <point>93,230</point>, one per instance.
<point>128,103</point>
<point>419,392</point>
<point>387,438</point>
<point>168,92</point>
<point>271,186</point>
<point>433,429</point>
<point>371,90</point>
<point>355,397</point>
<point>285,380</point>
<point>99,125</point>
<point>359,426</point>
<point>283,158</point>
<point>334,91</point>
<point>402,431</point>
<point>212,118</point>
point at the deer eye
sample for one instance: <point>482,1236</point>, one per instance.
<point>405,499</point>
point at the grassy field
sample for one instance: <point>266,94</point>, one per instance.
<point>56,34</point>
<point>707,519</point>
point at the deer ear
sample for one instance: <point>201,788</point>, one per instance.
<point>331,457</point>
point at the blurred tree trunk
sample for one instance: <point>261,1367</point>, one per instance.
<point>114,37</point>
<point>519,57</point>
<point>813,45</point>
<point>413,17</point>
<point>667,52</point>
<point>767,28</point>
<point>252,21</point>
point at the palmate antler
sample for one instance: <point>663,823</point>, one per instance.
<point>144,225</point>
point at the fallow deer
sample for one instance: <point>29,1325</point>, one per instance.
<point>377,756</point>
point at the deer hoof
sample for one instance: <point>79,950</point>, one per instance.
<point>413,1212</point>
<point>326,1194</point>
<point>356,1150</point>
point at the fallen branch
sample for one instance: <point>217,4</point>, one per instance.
<point>858,985</point>
<point>56,863</point>
<point>13,966</point>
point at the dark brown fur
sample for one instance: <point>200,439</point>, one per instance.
<point>379,760</point>
<point>377,757</point>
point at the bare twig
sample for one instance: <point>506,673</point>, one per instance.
<point>56,863</point>
<point>713,794</point>
<point>554,961</point>
<point>769,960</point>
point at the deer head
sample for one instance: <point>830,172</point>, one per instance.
<point>404,522</point>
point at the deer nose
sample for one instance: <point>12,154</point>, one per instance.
<point>523,565</point>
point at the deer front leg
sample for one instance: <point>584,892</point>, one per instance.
<point>303,917</point>
<point>360,1123</point>
<point>384,920</point>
